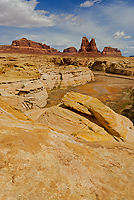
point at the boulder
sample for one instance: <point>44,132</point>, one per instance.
<point>112,122</point>
<point>99,65</point>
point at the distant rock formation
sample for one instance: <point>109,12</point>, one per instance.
<point>87,46</point>
<point>30,47</point>
<point>27,46</point>
<point>109,51</point>
<point>70,50</point>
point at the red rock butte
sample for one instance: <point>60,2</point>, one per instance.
<point>87,46</point>
<point>87,49</point>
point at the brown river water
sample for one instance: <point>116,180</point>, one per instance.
<point>112,90</point>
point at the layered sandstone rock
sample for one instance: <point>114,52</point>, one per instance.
<point>87,46</point>
<point>20,85</point>
<point>70,50</point>
<point>109,51</point>
<point>25,95</point>
<point>62,77</point>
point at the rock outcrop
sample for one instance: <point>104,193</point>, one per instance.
<point>109,51</point>
<point>87,46</point>
<point>70,50</point>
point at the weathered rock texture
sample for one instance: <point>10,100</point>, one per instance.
<point>37,162</point>
<point>109,51</point>
<point>70,50</point>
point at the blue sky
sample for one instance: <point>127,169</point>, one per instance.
<point>62,24</point>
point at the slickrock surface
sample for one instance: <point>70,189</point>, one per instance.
<point>37,162</point>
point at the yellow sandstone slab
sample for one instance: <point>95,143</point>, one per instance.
<point>71,123</point>
<point>112,122</point>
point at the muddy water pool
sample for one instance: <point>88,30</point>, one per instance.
<point>112,91</point>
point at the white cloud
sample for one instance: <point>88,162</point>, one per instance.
<point>22,13</point>
<point>121,34</point>
<point>126,37</point>
<point>87,4</point>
